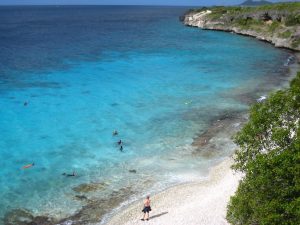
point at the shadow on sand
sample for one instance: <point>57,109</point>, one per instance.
<point>158,215</point>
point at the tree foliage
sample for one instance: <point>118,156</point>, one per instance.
<point>269,155</point>
<point>292,20</point>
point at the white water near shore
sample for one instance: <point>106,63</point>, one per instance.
<point>189,204</point>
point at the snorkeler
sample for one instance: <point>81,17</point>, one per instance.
<point>69,175</point>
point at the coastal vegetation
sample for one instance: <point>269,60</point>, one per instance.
<point>269,156</point>
<point>277,23</point>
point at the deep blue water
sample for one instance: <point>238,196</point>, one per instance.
<point>86,71</point>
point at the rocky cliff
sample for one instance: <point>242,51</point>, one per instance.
<point>276,23</point>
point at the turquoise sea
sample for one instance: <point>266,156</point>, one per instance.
<point>71,75</point>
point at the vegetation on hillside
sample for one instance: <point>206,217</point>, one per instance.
<point>288,13</point>
<point>269,155</point>
<point>279,22</point>
<point>288,6</point>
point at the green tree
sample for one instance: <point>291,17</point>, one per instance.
<point>269,155</point>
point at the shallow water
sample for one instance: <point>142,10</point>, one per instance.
<point>86,71</point>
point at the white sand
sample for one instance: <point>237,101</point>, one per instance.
<point>202,203</point>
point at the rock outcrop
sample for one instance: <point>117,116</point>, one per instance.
<point>276,23</point>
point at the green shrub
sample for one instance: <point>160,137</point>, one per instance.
<point>248,23</point>
<point>285,34</point>
<point>296,43</point>
<point>274,26</point>
<point>292,20</point>
<point>269,155</point>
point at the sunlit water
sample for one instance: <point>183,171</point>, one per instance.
<point>86,71</point>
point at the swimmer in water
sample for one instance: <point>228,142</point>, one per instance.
<point>25,103</point>
<point>69,175</point>
<point>28,166</point>
<point>115,133</point>
<point>121,148</point>
<point>119,142</point>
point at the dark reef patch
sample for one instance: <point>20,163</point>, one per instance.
<point>81,197</point>
<point>24,217</point>
<point>90,187</point>
<point>97,208</point>
<point>90,213</point>
<point>114,104</point>
<point>206,144</point>
<point>85,92</point>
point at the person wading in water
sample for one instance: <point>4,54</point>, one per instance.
<point>146,208</point>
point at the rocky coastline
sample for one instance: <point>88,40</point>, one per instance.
<point>278,24</point>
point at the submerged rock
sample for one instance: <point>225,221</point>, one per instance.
<point>90,187</point>
<point>213,141</point>
<point>81,197</point>
<point>132,171</point>
<point>68,222</point>
<point>18,217</point>
<point>24,217</point>
<point>42,220</point>
<point>94,210</point>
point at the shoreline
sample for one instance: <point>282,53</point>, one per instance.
<point>202,202</point>
<point>182,203</point>
<point>245,34</point>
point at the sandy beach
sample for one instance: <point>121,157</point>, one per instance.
<point>189,204</point>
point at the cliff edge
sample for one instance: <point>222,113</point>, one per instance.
<point>276,23</point>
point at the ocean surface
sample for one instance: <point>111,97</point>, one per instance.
<point>71,75</point>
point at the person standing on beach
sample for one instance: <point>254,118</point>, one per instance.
<point>146,208</point>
